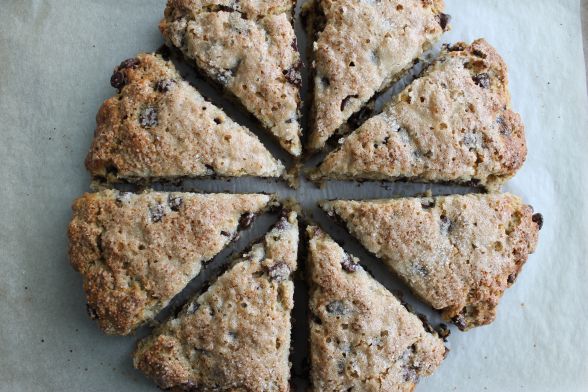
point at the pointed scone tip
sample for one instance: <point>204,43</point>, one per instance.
<point>360,49</point>
<point>159,127</point>
<point>458,253</point>
<point>451,125</point>
<point>361,336</point>
<point>235,335</point>
<point>135,252</point>
<point>255,61</point>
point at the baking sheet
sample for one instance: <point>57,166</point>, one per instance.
<point>56,58</point>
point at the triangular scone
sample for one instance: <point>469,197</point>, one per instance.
<point>458,253</point>
<point>361,48</point>
<point>453,124</point>
<point>160,127</point>
<point>361,337</point>
<point>236,335</point>
<point>249,48</point>
<point>136,251</point>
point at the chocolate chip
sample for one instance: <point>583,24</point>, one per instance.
<point>427,204</point>
<point>225,8</point>
<point>503,127</point>
<point>315,319</point>
<point>443,331</point>
<point>226,233</point>
<point>129,63</point>
<point>174,202</point>
<point>294,44</point>
<point>148,117</point>
<point>293,76</point>
<point>337,308</point>
<point>349,264</point>
<point>157,212</point>
<point>459,47</point>
<point>279,272</point>
<point>443,20</point>
<point>118,80</point>
<point>164,51</point>
<point>482,80</point>
<point>325,81</point>
<point>164,85</point>
<point>246,220</point>
<point>346,100</point>
<point>91,312</point>
<point>444,224</point>
<point>459,322</point>
<point>511,278</point>
<point>281,224</point>
<point>479,53</point>
<point>538,218</point>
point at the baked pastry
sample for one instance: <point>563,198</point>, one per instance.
<point>249,49</point>
<point>453,124</point>
<point>458,253</point>
<point>361,337</point>
<point>159,127</point>
<point>361,48</point>
<point>136,251</point>
<point>236,335</point>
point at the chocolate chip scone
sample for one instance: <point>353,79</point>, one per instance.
<point>360,48</point>
<point>361,337</point>
<point>249,48</point>
<point>159,127</point>
<point>458,253</point>
<point>453,125</point>
<point>136,251</point>
<point>236,335</point>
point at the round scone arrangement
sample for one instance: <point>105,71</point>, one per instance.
<point>457,253</point>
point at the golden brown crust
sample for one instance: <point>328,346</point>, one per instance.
<point>361,337</point>
<point>136,251</point>
<point>236,335</point>
<point>453,124</point>
<point>458,253</point>
<point>159,126</point>
<point>249,48</point>
<point>362,48</point>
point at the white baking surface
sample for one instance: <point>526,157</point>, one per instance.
<point>56,58</point>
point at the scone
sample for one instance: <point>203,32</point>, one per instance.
<point>136,251</point>
<point>236,335</point>
<point>452,125</point>
<point>458,253</point>
<point>361,337</point>
<point>361,48</point>
<point>249,49</point>
<point>159,127</point>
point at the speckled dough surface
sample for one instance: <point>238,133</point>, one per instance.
<point>458,253</point>
<point>236,335</point>
<point>136,251</point>
<point>453,124</point>
<point>249,48</point>
<point>361,48</point>
<point>361,337</point>
<point>160,127</point>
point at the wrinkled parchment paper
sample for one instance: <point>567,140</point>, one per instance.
<point>56,58</point>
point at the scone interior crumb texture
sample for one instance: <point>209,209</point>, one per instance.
<point>361,337</point>
<point>236,335</point>
<point>453,124</point>
<point>458,253</point>
<point>135,252</point>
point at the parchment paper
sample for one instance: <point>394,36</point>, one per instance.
<point>56,59</point>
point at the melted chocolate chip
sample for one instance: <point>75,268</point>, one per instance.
<point>459,47</point>
<point>346,100</point>
<point>444,224</point>
<point>164,85</point>
<point>118,80</point>
<point>157,212</point>
<point>91,312</point>
<point>479,53</point>
<point>294,44</point>
<point>129,63</point>
<point>174,202</point>
<point>325,81</point>
<point>246,220</point>
<point>293,76</point>
<point>443,331</point>
<point>511,278</point>
<point>348,264</point>
<point>538,218</point>
<point>148,117</point>
<point>443,20</point>
<point>225,8</point>
<point>337,308</point>
<point>279,272</point>
<point>459,322</point>
<point>282,223</point>
<point>482,80</point>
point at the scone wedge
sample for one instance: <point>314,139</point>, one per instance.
<point>458,253</point>
<point>249,49</point>
<point>361,337</point>
<point>158,127</point>
<point>451,125</point>
<point>361,48</point>
<point>137,251</point>
<point>236,335</point>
